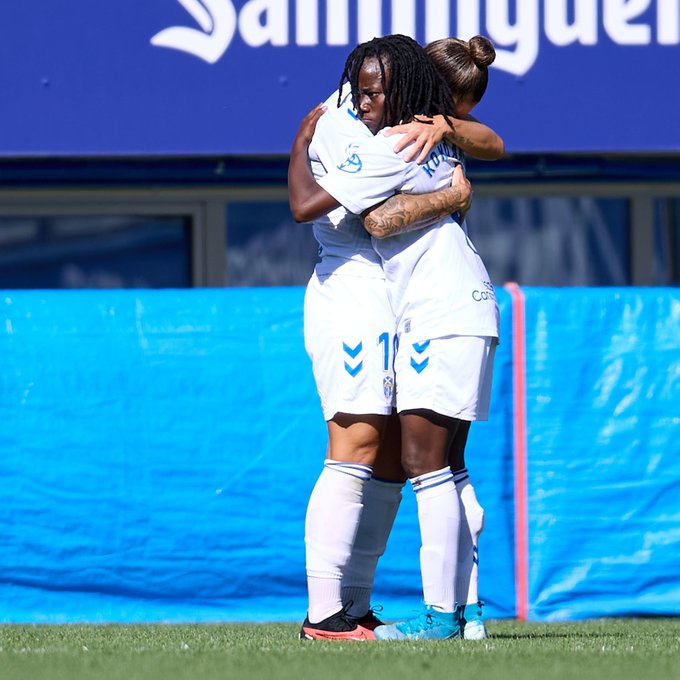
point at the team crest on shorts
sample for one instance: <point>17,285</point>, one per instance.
<point>388,386</point>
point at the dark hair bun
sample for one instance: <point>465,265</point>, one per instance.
<point>482,51</point>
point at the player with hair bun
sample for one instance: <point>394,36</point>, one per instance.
<point>464,65</point>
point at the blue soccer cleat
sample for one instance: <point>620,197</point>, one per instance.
<point>428,625</point>
<point>471,621</point>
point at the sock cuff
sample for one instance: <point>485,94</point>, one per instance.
<point>356,470</point>
<point>461,475</point>
<point>430,480</point>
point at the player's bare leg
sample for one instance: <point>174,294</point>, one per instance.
<point>332,519</point>
<point>382,496</point>
<point>426,439</point>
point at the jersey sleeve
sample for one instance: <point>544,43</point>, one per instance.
<point>370,173</point>
<point>335,130</point>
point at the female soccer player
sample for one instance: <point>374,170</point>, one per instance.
<point>335,506</point>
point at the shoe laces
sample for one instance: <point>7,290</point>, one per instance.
<point>473,613</point>
<point>348,619</point>
<point>371,613</point>
<point>423,621</point>
<point>344,612</point>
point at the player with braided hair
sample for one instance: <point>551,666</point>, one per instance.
<point>346,300</point>
<point>413,88</point>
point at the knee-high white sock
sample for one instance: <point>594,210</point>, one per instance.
<point>471,526</point>
<point>381,502</point>
<point>439,519</point>
<point>333,515</point>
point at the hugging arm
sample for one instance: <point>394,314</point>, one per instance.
<point>476,139</point>
<point>408,212</point>
<point>308,201</point>
<point>423,134</point>
<point>400,213</point>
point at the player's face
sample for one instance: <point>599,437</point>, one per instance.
<point>371,95</point>
<point>464,106</point>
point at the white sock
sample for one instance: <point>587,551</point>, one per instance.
<point>439,519</point>
<point>471,526</point>
<point>333,515</point>
<point>381,502</point>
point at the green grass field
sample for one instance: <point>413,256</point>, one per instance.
<point>617,649</point>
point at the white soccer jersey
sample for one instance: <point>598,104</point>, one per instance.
<point>437,282</point>
<point>349,325</point>
<point>343,241</point>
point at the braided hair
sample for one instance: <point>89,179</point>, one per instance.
<point>414,87</point>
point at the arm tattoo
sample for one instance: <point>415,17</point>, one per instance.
<point>468,143</point>
<point>408,212</point>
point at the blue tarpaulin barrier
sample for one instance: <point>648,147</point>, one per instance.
<point>158,449</point>
<point>603,452</point>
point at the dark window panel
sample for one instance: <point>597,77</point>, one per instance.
<point>553,241</point>
<point>265,246</point>
<point>95,251</point>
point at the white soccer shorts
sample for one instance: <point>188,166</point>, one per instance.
<point>349,336</point>
<point>450,375</point>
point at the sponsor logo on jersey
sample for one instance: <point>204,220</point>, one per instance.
<point>487,294</point>
<point>351,164</point>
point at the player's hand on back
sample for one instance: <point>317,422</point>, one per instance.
<point>423,134</point>
<point>308,125</point>
<point>460,181</point>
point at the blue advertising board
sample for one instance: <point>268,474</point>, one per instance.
<point>206,77</point>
